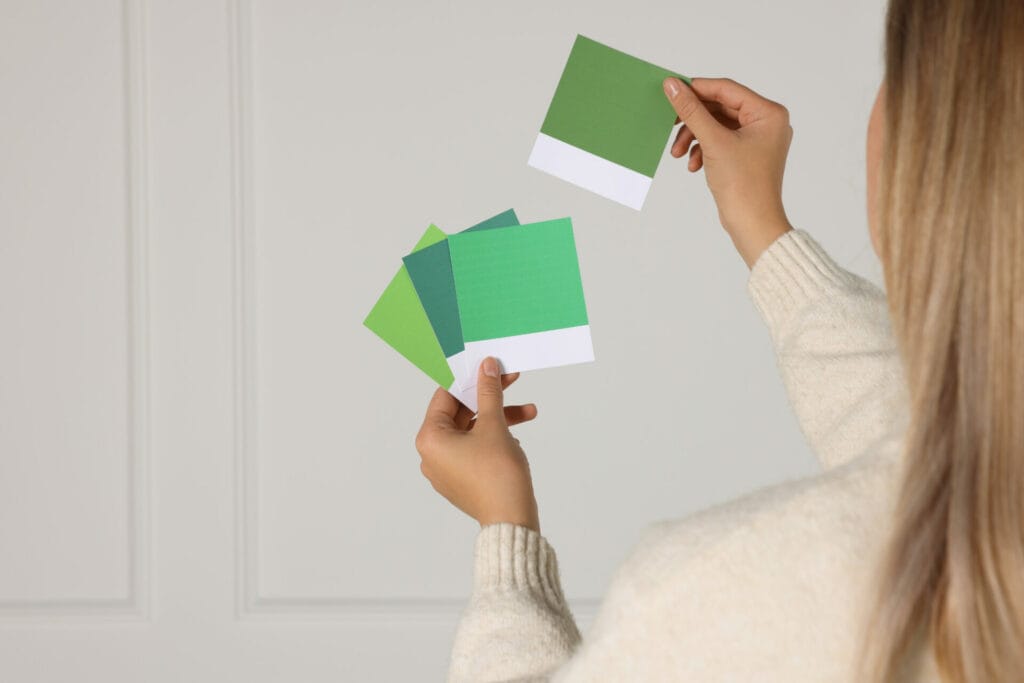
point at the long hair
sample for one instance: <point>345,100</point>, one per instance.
<point>951,239</point>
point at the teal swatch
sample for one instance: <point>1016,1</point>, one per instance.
<point>430,270</point>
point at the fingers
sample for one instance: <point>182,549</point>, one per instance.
<point>439,422</point>
<point>489,396</point>
<point>464,418</point>
<point>696,159</point>
<point>691,110</point>
<point>515,415</point>
<point>746,104</point>
<point>519,414</point>
<point>726,115</point>
<point>682,143</point>
<point>442,409</point>
<point>684,138</point>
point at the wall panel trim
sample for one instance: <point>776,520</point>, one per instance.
<point>137,603</point>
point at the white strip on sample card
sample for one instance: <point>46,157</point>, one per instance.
<point>590,171</point>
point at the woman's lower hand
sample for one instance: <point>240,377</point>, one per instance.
<point>476,463</point>
<point>742,140</point>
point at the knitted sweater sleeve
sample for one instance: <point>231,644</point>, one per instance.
<point>517,625</point>
<point>834,345</point>
<point>840,366</point>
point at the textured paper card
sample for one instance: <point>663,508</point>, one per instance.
<point>399,320</point>
<point>430,270</point>
<point>520,297</point>
<point>608,123</point>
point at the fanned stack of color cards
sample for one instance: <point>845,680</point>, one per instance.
<point>496,289</point>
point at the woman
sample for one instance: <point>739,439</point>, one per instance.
<point>904,559</point>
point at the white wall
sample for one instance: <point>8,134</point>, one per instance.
<point>206,462</point>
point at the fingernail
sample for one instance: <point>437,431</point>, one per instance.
<point>671,87</point>
<point>491,367</point>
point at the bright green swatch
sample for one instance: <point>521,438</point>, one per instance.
<point>430,270</point>
<point>517,281</point>
<point>612,104</point>
<point>399,319</point>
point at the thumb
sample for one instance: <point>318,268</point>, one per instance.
<point>489,397</point>
<point>691,110</point>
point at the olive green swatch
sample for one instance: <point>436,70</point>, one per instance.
<point>611,104</point>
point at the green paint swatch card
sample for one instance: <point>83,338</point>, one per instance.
<point>520,297</point>
<point>399,320</point>
<point>430,270</point>
<point>608,123</point>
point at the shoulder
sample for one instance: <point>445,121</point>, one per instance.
<point>772,582</point>
<point>838,508</point>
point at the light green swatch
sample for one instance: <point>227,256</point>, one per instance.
<point>398,318</point>
<point>512,281</point>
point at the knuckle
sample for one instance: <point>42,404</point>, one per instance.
<point>490,390</point>
<point>424,441</point>
<point>687,108</point>
<point>487,420</point>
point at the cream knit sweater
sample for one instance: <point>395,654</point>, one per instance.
<point>771,587</point>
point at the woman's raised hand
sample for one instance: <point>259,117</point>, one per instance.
<point>477,464</point>
<point>742,140</point>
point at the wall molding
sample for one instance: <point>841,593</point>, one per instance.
<point>245,442</point>
<point>136,605</point>
<point>249,603</point>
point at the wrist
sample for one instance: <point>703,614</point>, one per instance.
<point>750,243</point>
<point>528,518</point>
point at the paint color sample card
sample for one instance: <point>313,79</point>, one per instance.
<point>520,297</point>
<point>399,319</point>
<point>496,289</point>
<point>430,270</point>
<point>608,123</point>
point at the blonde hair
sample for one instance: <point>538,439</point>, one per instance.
<point>951,238</point>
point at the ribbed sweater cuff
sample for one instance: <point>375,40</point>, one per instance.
<point>513,558</point>
<point>793,272</point>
